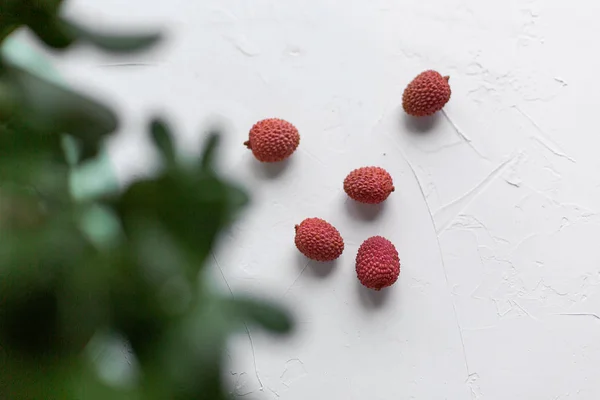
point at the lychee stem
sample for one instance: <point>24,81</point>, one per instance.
<point>447,78</point>
<point>247,144</point>
<point>393,188</point>
<point>296,227</point>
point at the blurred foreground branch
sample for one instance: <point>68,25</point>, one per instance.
<point>79,277</point>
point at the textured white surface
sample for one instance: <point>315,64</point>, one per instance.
<point>495,214</point>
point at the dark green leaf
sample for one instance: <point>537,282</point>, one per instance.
<point>192,355</point>
<point>49,178</point>
<point>89,149</point>
<point>31,381</point>
<point>42,107</point>
<point>112,43</point>
<point>85,385</point>
<point>135,305</point>
<point>54,108</point>
<point>39,15</point>
<point>20,208</point>
<point>162,138</point>
<point>6,30</point>
<point>192,207</point>
<point>267,315</point>
<point>8,101</point>
<point>50,297</point>
<point>237,198</point>
<point>30,322</point>
<point>23,11</point>
<point>208,153</point>
<point>51,31</point>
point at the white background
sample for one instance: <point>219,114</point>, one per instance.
<point>495,213</point>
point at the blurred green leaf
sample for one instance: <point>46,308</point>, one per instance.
<point>236,198</point>
<point>21,11</point>
<point>208,153</point>
<point>163,140</point>
<point>192,209</point>
<point>85,385</point>
<point>266,315</point>
<point>51,30</point>
<point>20,209</point>
<point>31,165</point>
<point>51,184</point>
<point>192,351</point>
<point>52,108</point>
<point>20,143</point>
<point>39,15</point>
<point>193,206</point>
<point>52,288</point>
<point>33,380</point>
<point>135,306</point>
<point>8,101</point>
<point>30,321</point>
<point>6,30</point>
<point>45,108</point>
<point>112,43</point>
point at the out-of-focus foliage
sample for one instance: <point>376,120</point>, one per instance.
<point>70,291</point>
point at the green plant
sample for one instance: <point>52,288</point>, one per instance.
<point>76,274</point>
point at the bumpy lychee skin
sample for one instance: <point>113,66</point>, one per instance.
<point>318,240</point>
<point>273,140</point>
<point>377,263</point>
<point>371,185</point>
<point>427,94</point>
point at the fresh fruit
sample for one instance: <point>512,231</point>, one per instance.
<point>273,140</point>
<point>318,240</point>
<point>371,185</point>
<point>377,263</point>
<point>427,94</point>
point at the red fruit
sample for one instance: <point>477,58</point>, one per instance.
<point>377,263</point>
<point>371,185</point>
<point>427,94</point>
<point>319,240</point>
<point>273,140</point>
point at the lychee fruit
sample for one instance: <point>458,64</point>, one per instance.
<point>273,140</point>
<point>318,240</point>
<point>377,263</point>
<point>427,94</point>
<point>371,185</point>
